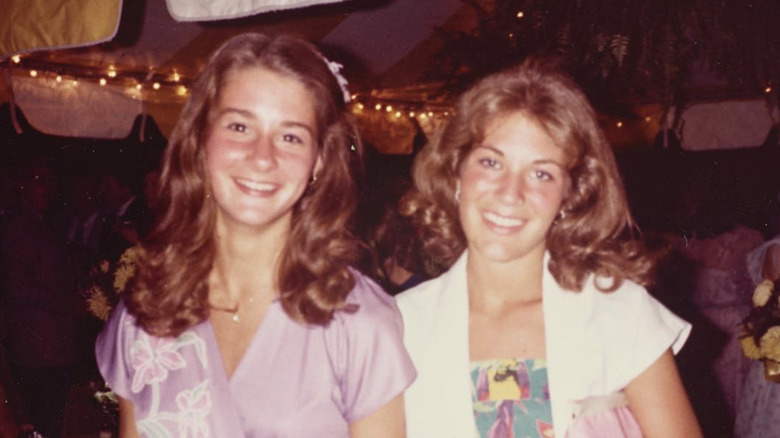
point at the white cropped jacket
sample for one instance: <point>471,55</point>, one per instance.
<point>596,344</point>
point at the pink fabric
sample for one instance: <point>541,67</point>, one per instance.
<point>293,381</point>
<point>613,423</point>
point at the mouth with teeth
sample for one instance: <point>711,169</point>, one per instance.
<point>254,186</point>
<point>503,221</point>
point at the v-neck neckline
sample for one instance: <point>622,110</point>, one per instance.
<point>221,370</point>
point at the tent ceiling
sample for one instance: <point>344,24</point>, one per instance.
<point>384,44</point>
<point>373,36</point>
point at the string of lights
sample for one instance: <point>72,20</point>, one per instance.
<point>140,84</point>
<point>134,81</point>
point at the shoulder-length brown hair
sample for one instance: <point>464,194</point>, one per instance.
<point>594,231</point>
<point>170,292</point>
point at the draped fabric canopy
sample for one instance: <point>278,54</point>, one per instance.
<point>29,25</point>
<point>156,47</point>
<point>200,10</point>
<point>157,40</point>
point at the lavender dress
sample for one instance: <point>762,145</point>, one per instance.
<point>293,381</point>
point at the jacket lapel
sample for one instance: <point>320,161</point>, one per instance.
<point>453,381</point>
<point>571,357</point>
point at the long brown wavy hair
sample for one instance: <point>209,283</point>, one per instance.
<point>594,233</point>
<point>170,292</point>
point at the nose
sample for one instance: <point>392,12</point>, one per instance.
<point>262,152</point>
<point>512,187</point>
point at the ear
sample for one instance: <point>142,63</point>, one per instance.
<point>315,173</point>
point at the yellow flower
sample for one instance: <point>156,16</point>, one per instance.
<point>770,343</point>
<point>125,269</point>
<point>98,304</point>
<point>749,347</point>
<point>762,293</point>
<point>129,256</point>
<point>122,275</point>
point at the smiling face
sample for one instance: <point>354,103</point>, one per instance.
<point>512,185</point>
<point>262,148</point>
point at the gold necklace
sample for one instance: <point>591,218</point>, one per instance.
<point>234,310</point>
<point>236,318</point>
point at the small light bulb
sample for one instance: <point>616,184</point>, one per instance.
<point>389,108</point>
<point>647,119</point>
<point>16,59</point>
<point>619,124</point>
<point>378,107</point>
<point>768,90</point>
<point>138,87</point>
<point>398,114</point>
<point>33,73</point>
<point>520,14</point>
<point>102,81</point>
<point>58,79</point>
<point>176,77</point>
<point>411,114</point>
<point>111,72</point>
<point>182,90</point>
<point>156,85</point>
<point>430,113</point>
<point>360,106</point>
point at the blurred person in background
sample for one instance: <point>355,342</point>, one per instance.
<point>41,303</point>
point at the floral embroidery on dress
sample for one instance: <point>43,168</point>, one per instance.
<point>152,360</point>
<point>194,405</point>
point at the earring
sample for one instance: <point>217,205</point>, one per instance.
<point>313,179</point>
<point>561,215</point>
<point>457,194</point>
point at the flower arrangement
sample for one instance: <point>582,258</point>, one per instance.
<point>760,337</point>
<point>107,282</point>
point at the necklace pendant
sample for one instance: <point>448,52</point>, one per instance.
<point>236,318</point>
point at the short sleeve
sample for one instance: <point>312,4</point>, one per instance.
<point>640,329</point>
<point>112,351</point>
<point>369,358</point>
<point>755,259</point>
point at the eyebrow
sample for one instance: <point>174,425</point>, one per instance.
<point>250,115</point>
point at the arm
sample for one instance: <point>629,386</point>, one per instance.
<point>387,422</point>
<point>127,419</point>
<point>659,402</point>
<point>373,364</point>
<point>771,266</point>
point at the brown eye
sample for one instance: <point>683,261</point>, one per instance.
<point>292,138</point>
<point>489,162</point>
<point>238,127</point>
<point>543,175</point>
